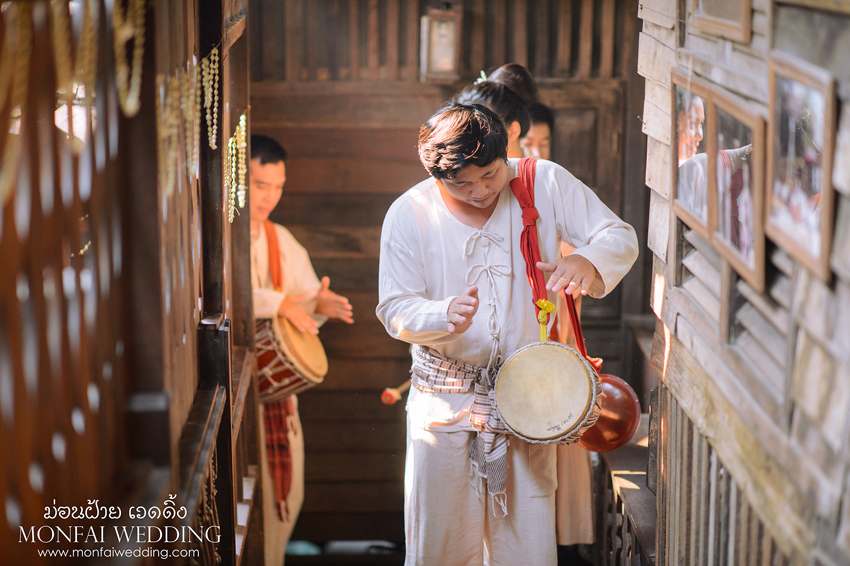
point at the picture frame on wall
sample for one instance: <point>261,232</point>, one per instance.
<point>731,19</point>
<point>689,150</point>
<point>799,208</point>
<point>736,154</point>
<point>440,46</point>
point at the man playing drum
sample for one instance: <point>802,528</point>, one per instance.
<point>306,303</point>
<point>453,283</point>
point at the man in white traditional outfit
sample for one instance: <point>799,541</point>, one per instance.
<point>449,248</point>
<point>306,302</point>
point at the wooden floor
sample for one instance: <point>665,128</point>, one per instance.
<point>567,556</point>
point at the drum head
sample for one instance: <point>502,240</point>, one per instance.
<point>544,391</point>
<point>304,350</point>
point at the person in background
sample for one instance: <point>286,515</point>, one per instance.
<point>508,91</point>
<point>538,140</point>
<point>306,302</point>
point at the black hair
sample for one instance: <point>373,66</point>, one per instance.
<point>508,91</point>
<point>267,150</point>
<point>541,114</point>
<point>459,135</point>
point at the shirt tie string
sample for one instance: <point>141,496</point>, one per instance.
<point>485,238</point>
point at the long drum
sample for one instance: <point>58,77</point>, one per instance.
<point>288,360</point>
<point>547,392</point>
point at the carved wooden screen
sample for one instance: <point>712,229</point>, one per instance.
<point>107,288</point>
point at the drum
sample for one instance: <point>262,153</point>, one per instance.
<point>547,392</point>
<point>288,360</point>
<point>619,416</point>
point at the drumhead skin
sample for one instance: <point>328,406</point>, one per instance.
<point>305,351</point>
<point>544,391</point>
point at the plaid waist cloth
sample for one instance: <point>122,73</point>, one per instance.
<point>488,453</point>
<point>276,417</point>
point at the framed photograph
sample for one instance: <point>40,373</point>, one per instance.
<point>736,151</point>
<point>688,146</point>
<point>799,213</point>
<point>440,46</point>
<point>731,19</point>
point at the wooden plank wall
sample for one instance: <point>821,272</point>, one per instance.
<point>112,259</point>
<point>353,40</point>
<point>760,376</point>
<point>344,99</point>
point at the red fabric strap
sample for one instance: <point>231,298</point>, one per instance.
<point>274,255</point>
<point>523,189</point>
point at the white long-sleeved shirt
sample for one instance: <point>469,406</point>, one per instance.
<point>296,269</point>
<point>428,257</point>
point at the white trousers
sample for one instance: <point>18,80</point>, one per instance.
<point>451,522</point>
<point>277,532</point>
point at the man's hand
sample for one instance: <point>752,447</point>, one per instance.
<point>292,311</point>
<point>332,305</point>
<point>461,310</point>
<point>573,272</point>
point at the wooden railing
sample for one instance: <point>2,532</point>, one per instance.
<point>625,507</point>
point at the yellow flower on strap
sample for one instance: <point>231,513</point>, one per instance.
<point>546,308</point>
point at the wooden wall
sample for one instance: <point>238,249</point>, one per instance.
<point>124,378</point>
<point>342,95</point>
<point>755,384</point>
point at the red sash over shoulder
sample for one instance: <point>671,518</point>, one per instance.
<point>523,189</point>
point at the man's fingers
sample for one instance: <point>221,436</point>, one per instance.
<point>585,285</point>
<point>326,283</point>
<point>547,267</point>
<point>307,325</point>
<point>464,308</point>
<point>302,297</point>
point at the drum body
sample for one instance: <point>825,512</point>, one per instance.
<point>618,420</point>
<point>547,392</point>
<point>288,361</point>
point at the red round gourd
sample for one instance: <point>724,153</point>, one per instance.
<point>618,420</point>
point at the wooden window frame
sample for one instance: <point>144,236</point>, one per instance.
<point>754,119</point>
<point>702,89</point>
<point>821,80</point>
<point>736,30</point>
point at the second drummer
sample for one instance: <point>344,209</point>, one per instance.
<point>306,302</point>
<point>452,282</point>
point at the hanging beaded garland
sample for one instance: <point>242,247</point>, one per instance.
<point>20,19</point>
<point>230,161</point>
<point>236,167</point>
<point>83,71</point>
<point>168,127</point>
<point>124,29</point>
<point>209,74</point>
<point>242,167</point>
<point>190,102</point>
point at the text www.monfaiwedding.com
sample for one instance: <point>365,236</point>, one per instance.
<point>119,552</point>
